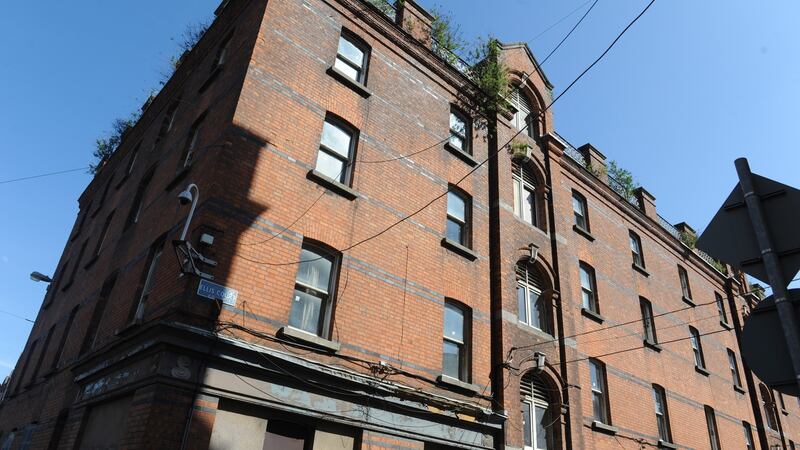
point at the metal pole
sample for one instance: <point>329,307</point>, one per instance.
<point>772,265</point>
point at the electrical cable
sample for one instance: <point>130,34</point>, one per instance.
<point>44,175</point>
<point>568,34</point>
<point>479,165</point>
<point>558,22</point>
<point>17,316</point>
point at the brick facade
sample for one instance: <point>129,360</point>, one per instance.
<point>125,353</point>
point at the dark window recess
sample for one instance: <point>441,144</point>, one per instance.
<point>193,142</point>
<point>538,413</point>
<point>533,308</point>
<point>83,215</point>
<point>636,249</point>
<point>525,192</point>
<point>58,429</point>
<point>460,131</point>
<point>352,57</point>
<point>222,53</point>
<point>748,436</point>
<point>734,366</point>
<point>76,266</point>
<point>97,313</point>
<point>104,194</point>
<point>459,211</point>
<point>456,343</point>
<point>137,313</point>
<point>697,348</point>
<point>64,336</point>
<point>588,288</point>
<point>166,124</point>
<point>770,410</point>
<point>580,211</point>
<point>138,199</point>
<point>314,290</point>
<point>648,321</point>
<point>524,118</point>
<point>103,235</point>
<point>711,424</point>
<point>42,354</point>
<point>686,289</point>
<point>336,151</point>
<point>600,408</point>
<point>132,161</point>
<point>723,317</point>
<point>662,414</point>
<point>24,369</point>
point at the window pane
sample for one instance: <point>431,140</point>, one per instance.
<point>458,125</point>
<point>522,304</point>
<point>454,231</point>
<point>336,139</point>
<point>456,206</point>
<point>528,206</point>
<point>598,407</point>
<point>516,197</point>
<point>453,323</point>
<point>330,166</point>
<point>579,208</point>
<point>305,312</point>
<point>457,142</point>
<point>315,270</point>
<point>452,359</point>
<point>537,316</point>
<point>347,69</point>
<point>595,376</point>
<point>351,52</point>
<point>526,424</point>
<point>542,423</point>
<point>586,279</point>
<point>587,300</point>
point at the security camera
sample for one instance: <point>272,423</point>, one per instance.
<point>185,197</point>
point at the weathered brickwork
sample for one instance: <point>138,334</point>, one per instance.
<point>125,352</point>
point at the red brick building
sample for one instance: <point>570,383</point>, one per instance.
<point>372,269</point>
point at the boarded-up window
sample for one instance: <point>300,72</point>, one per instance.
<point>106,425</point>
<point>237,431</point>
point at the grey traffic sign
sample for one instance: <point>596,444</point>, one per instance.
<point>730,236</point>
<point>764,346</point>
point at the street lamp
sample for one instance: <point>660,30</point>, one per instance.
<point>38,276</point>
<point>185,197</point>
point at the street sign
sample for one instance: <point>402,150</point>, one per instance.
<point>764,345</point>
<point>730,236</point>
<point>215,291</point>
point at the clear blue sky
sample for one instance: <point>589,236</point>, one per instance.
<point>692,86</point>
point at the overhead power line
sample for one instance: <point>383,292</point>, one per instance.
<point>43,175</point>
<point>568,34</point>
<point>479,165</point>
<point>17,316</point>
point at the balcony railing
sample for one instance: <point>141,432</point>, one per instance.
<point>384,6</point>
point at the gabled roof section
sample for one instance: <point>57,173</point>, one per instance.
<point>524,46</point>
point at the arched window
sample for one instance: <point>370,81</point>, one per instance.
<point>538,415</point>
<point>525,118</point>
<point>533,306</point>
<point>525,193</point>
<point>770,411</point>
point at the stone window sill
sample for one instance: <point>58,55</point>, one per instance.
<point>665,444</point>
<point>466,157</point>
<point>739,389</point>
<point>725,325</point>
<point>702,371</point>
<point>332,185</point>
<point>179,176</point>
<point>688,300</point>
<point>593,315</point>
<point>583,232</point>
<point>652,345</point>
<point>308,338</point>
<point>122,181</point>
<point>454,383</point>
<point>347,81</point>
<point>460,249</point>
<point>640,269</point>
<point>604,428</point>
<point>91,262</point>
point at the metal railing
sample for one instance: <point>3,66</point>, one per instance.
<point>617,187</point>
<point>384,6</point>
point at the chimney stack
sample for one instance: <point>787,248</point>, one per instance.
<point>415,20</point>
<point>595,161</point>
<point>646,202</point>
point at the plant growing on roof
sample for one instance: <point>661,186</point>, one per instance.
<point>490,77</point>
<point>688,239</point>
<point>518,148</point>
<point>106,146</point>
<point>622,181</point>
<point>446,39</point>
